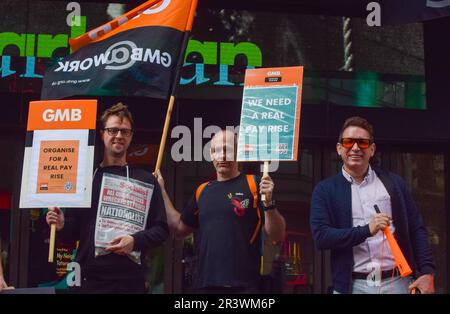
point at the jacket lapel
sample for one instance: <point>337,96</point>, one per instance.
<point>344,214</point>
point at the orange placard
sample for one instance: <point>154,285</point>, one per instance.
<point>58,167</point>
<point>62,115</point>
<point>266,78</point>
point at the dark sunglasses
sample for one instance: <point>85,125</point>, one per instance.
<point>363,143</point>
<point>115,131</point>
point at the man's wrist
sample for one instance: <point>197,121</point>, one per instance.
<point>136,243</point>
<point>269,205</point>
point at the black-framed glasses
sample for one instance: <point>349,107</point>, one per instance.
<point>115,131</point>
<point>362,143</point>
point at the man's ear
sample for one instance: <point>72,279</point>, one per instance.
<point>338,146</point>
<point>101,134</point>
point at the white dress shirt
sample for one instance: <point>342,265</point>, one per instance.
<point>374,252</point>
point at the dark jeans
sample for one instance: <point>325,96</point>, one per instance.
<point>227,290</point>
<point>110,286</point>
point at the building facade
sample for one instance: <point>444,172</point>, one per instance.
<point>395,76</point>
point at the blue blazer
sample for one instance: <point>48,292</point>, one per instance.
<point>332,226</point>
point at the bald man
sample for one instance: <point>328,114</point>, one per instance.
<point>228,225</point>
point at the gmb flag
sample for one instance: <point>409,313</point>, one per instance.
<point>411,11</point>
<point>136,54</point>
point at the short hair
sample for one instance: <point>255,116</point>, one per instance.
<point>119,110</point>
<point>358,122</point>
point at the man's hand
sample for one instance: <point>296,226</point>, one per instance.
<point>159,178</point>
<point>378,222</point>
<point>266,187</point>
<point>424,283</point>
<point>122,245</point>
<point>55,216</point>
<point>3,284</point>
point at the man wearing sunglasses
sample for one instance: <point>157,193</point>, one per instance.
<point>345,220</point>
<point>115,268</point>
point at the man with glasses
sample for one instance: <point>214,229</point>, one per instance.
<point>350,210</point>
<point>119,267</point>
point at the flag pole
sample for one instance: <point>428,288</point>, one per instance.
<point>51,248</point>
<point>184,44</point>
<point>265,173</point>
<point>162,146</point>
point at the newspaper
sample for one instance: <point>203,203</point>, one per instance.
<point>123,209</point>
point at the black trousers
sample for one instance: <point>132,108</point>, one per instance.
<point>110,286</point>
<point>227,290</point>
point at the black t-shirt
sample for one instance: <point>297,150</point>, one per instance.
<point>81,223</point>
<point>226,220</point>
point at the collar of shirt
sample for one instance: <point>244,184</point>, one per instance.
<point>369,177</point>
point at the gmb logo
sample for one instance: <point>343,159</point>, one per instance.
<point>119,56</point>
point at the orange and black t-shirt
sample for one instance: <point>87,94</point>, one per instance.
<point>225,219</point>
